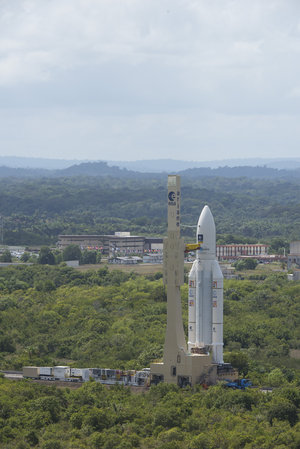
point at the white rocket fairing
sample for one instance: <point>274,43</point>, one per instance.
<point>206,292</point>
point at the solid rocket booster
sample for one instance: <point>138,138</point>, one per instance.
<point>206,292</point>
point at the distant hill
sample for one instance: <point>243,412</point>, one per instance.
<point>171,165</point>
<point>102,169</point>
<point>238,172</point>
<point>150,165</point>
<point>84,169</point>
<point>93,169</point>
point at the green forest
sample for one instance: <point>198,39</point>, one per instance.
<point>93,417</point>
<point>58,315</point>
<point>36,211</point>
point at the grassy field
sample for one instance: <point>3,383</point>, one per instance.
<point>137,268</point>
<point>141,268</point>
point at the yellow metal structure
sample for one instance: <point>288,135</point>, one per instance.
<point>192,247</point>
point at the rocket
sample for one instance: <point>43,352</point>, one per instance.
<point>205,328</point>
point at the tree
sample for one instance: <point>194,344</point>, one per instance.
<point>238,360</point>
<point>278,246</point>
<point>276,378</point>
<point>72,252</point>
<point>45,286</point>
<point>31,438</point>
<point>6,345</point>
<point>6,256</point>
<point>246,264</point>
<point>283,410</point>
<point>25,257</point>
<point>33,258</point>
<point>89,257</point>
<point>46,256</point>
<point>58,257</point>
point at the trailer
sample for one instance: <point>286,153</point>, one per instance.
<point>31,372</point>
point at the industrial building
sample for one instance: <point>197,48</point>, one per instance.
<point>119,243</point>
<point>234,251</point>
<point>125,244</point>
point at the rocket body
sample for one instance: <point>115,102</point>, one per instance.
<point>205,329</point>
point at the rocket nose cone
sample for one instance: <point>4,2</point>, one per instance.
<point>206,218</point>
<point>206,231</point>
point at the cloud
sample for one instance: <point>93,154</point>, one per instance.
<point>52,35</point>
<point>157,69</point>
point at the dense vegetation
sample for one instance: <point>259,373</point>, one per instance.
<point>36,211</point>
<point>55,314</point>
<point>93,417</point>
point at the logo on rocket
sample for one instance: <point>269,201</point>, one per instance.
<point>172,196</point>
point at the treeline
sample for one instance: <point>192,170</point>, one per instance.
<point>47,256</point>
<point>36,211</point>
<point>102,168</point>
<point>93,417</point>
<point>71,252</point>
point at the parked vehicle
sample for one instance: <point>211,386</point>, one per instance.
<point>238,384</point>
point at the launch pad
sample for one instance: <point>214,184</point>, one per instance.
<point>201,362</point>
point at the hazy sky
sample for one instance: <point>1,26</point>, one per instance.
<point>134,79</point>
